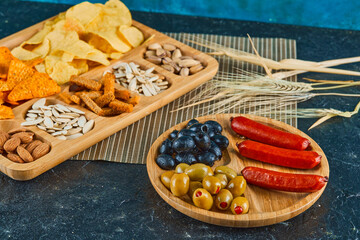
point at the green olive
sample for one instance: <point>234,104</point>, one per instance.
<point>197,171</point>
<point>211,172</point>
<point>239,205</point>
<point>193,186</point>
<point>202,199</point>
<point>166,177</point>
<point>230,173</point>
<point>223,179</point>
<point>180,168</point>
<point>223,199</point>
<point>179,184</point>
<point>212,184</point>
<point>237,186</point>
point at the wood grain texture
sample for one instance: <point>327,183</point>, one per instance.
<point>62,150</point>
<point>266,206</point>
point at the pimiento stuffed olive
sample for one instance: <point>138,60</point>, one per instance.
<point>192,188</point>
<point>212,184</point>
<point>239,205</point>
<point>229,172</point>
<point>223,179</point>
<point>202,199</point>
<point>197,171</point>
<point>223,199</point>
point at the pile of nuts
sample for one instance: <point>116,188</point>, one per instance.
<point>62,122</point>
<point>143,82</point>
<point>170,58</point>
<point>19,146</point>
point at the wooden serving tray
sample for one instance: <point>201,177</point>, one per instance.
<point>62,150</point>
<point>266,206</point>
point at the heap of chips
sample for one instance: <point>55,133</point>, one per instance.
<point>20,81</point>
<point>85,35</point>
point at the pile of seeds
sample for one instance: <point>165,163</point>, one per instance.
<point>20,146</point>
<point>63,122</point>
<point>143,82</point>
<point>171,59</point>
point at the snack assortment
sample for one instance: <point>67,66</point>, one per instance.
<point>20,81</point>
<point>85,35</point>
<point>143,82</point>
<point>197,143</point>
<point>221,189</point>
<point>62,122</point>
<point>169,57</point>
<point>104,98</point>
<point>21,146</point>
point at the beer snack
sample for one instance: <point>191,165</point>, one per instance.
<point>86,34</point>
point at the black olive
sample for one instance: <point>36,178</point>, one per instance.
<point>165,161</point>
<point>213,125</point>
<point>221,141</point>
<point>185,157</point>
<point>186,132</point>
<point>166,147</point>
<point>215,149</point>
<point>207,158</point>
<point>183,144</point>
<point>202,141</point>
<point>173,134</point>
<point>191,122</point>
<point>197,127</point>
<point>211,132</point>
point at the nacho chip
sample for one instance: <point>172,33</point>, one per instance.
<point>6,112</point>
<point>33,62</point>
<point>5,58</point>
<point>18,71</point>
<point>36,86</point>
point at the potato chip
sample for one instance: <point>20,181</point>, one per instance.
<point>133,36</point>
<point>122,15</point>
<point>84,12</point>
<point>80,64</point>
<point>62,72</point>
<point>6,112</point>
<point>18,71</point>
<point>36,86</point>
<point>24,54</point>
<point>40,68</point>
<point>113,39</point>
<point>100,43</point>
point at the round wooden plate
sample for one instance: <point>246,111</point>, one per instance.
<point>266,206</point>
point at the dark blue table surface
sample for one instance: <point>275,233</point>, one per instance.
<point>102,200</point>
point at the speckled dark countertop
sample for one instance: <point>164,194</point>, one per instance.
<point>101,200</point>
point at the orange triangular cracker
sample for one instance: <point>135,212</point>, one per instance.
<point>33,62</point>
<point>38,85</point>
<point>18,71</point>
<point>6,112</point>
<point>5,58</point>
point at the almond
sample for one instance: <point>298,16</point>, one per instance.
<point>41,150</point>
<point>25,137</point>
<point>15,158</point>
<point>31,146</point>
<point>16,130</point>
<point>11,144</point>
<point>25,155</point>
<point>3,137</point>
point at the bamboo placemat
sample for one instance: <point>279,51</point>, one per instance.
<point>131,144</point>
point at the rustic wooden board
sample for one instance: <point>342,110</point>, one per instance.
<point>62,150</point>
<point>266,206</point>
